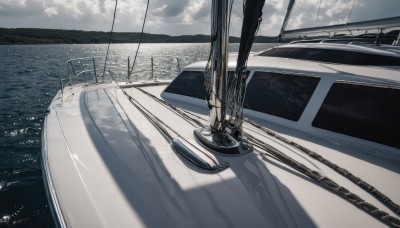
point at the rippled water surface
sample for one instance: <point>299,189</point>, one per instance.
<point>29,80</point>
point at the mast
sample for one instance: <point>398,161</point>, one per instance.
<point>219,64</point>
<point>223,135</point>
<point>214,136</point>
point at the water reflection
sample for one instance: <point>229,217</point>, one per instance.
<point>29,77</point>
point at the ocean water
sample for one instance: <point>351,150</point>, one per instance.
<point>30,77</point>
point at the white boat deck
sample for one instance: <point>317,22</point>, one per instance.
<point>117,170</point>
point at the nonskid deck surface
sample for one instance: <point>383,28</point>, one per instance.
<point>118,170</point>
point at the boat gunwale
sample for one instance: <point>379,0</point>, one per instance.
<point>51,194</point>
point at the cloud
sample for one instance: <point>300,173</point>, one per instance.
<point>202,11</point>
<point>172,8</point>
<point>101,4</point>
<point>51,11</point>
<point>273,15</point>
<point>311,13</point>
<point>13,3</point>
<point>340,11</point>
<point>180,17</point>
<point>372,9</point>
<point>19,9</point>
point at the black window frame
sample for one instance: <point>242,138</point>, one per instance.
<point>201,94</point>
<point>339,121</point>
<point>336,56</point>
<point>175,88</point>
<point>300,113</point>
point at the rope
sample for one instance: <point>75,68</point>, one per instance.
<point>140,41</point>
<point>109,40</point>
<point>315,175</point>
<point>342,171</point>
<point>326,182</point>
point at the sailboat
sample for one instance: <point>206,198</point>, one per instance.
<point>267,142</point>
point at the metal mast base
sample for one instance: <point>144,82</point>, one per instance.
<point>222,143</point>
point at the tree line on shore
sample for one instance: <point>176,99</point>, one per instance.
<point>59,36</point>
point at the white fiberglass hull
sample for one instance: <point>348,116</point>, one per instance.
<point>107,166</point>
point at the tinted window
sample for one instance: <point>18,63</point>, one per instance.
<point>188,83</point>
<point>281,95</point>
<point>191,83</point>
<point>362,111</point>
<point>333,56</point>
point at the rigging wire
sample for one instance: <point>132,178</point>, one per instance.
<point>325,181</point>
<point>207,71</point>
<point>230,96</point>
<point>109,40</point>
<point>153,119</point>
<point>163,127</point>
<point>351,10</point>
<point>237,89</point>
<point>319,8</point>
<point>290,6</point>
<point>140,41</point>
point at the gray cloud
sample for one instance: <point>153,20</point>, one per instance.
<point>373,9</point>
<point>179,17</point>
<point>338,11</point>
<point>204,11</point>
<point>171,8</point>
<point>18,10</point>
<point>102,6</point>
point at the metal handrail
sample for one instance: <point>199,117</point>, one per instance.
<point>84,73</point>
<point>171,56</point>
<point>82,66</point>
<point>62,87</point>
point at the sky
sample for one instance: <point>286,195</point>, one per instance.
<point>182,17</point>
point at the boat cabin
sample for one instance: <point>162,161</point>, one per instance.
<point>350,52</point>
<point>351,104</point>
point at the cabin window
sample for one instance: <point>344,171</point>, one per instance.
<point>191,83</point>
<point>188,83</point>
<point>333,56</point>
<point>368,112</point>
<point>282,95</point>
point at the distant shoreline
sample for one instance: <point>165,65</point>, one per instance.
<point>20,36</point>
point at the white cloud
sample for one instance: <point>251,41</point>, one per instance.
<point>14,2</point>
<point>333,8</point>
<point>179,17</point>
<point>51,11</point>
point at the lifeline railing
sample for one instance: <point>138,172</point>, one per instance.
<point>91,68</point>
<point>151,70</point>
